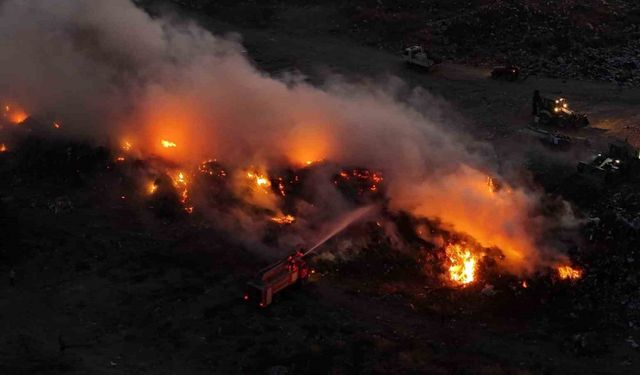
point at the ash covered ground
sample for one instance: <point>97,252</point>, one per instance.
<point>98,281</point>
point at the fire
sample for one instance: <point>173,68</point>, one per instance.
<point>493,187</point>
<point>168,144</point>
<point>569,273</point>
<point>14,114</point>
<point>3,147</point>
<point>462,264</point>
<point>182,185</point>
<point>56,125</point>
<point>152,188</point>
<point>126,145</point>
<point>259,179</point>
<point>361,178</point>
<point>283,219</point>
<point>281,187</point>
<point>120,159</point>
<point>211,167</point>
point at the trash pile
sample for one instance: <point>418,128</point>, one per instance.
<point>593,39</point>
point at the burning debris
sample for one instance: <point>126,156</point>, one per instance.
<point>283,219</point>
<point>462,264</point>
<point>273,173</point>
<point>261,181</point>
<point>359,183</point>
<point>567,272</point>
<point>212,168</point>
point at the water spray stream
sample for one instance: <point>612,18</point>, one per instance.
<point>342,223</point>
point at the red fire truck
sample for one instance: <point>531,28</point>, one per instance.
<point>278,276</point>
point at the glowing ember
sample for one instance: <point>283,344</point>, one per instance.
<point>569,273</point>
<point>283,219</point>
<point>462,264</point>
<point>281,187</point>
<point>120,159</point>
<point>360,178</point>
<point>181,184</point>
<point>56,125</point>
<point>3,147</point>
<point>126,145</point>
<point>212,168</point>
<point>152,188</point>
<point>167,144</point>
<point>524,284</point>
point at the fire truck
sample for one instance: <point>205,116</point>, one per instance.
<point>290,271</point>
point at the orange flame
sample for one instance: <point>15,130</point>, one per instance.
<point>260,180</point>
<point>3,147</point>
<point>167,144</point>
<point>56,125</point>
<point>181,184</point>
<point>14,114</point>
<point>283,219</point>
<point>152,188</point>
<point>126,145</point>
<point>462,264</point>
<point>569,273</point>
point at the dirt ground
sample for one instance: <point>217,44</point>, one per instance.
<point>106,288</point>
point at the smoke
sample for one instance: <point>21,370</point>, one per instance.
<point>109,71</point>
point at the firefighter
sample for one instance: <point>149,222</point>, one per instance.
<point>537,100</point>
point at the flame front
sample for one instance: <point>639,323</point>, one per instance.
<point>462,264</point>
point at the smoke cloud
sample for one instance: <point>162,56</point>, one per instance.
<point>109,71</point>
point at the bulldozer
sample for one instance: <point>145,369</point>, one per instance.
<point>417,56</point>
<point>556,112</point>
<point>619,160</point>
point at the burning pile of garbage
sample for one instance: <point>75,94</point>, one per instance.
<point>203,133</point>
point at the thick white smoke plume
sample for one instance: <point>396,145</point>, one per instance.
<point>107,70</point>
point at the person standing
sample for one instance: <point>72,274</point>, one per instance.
<point>537,100</point>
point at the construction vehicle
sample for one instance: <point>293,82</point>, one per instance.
<point>416,55</point>
<point>550,138</point>
<point>556,112</point>
<point>507,72</point>
<point>292,270</point>
<point>619,160</point>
